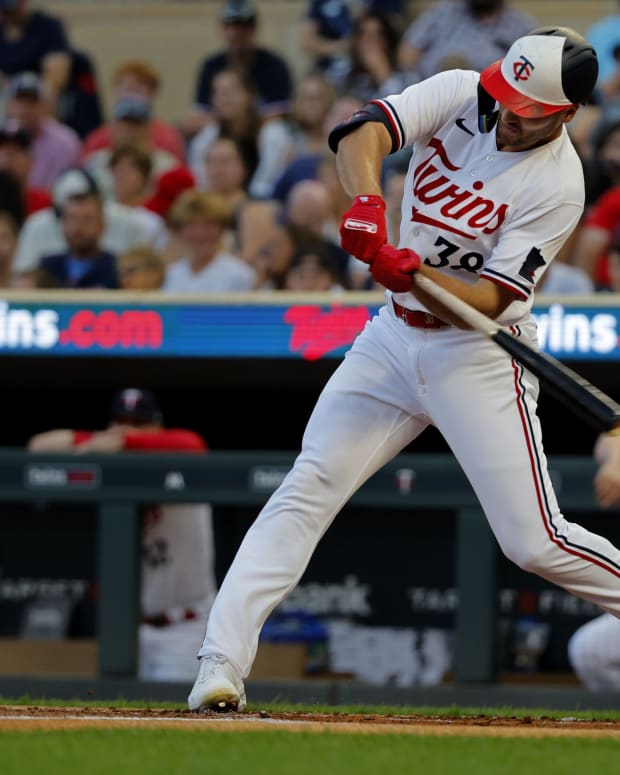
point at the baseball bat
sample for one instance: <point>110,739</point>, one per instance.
<point>587,401</point>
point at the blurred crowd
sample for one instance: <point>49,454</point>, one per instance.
<point>241,193</point>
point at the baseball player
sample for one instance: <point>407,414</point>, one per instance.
<point>493,190</point>
<point>177,544</point>
<point>594,648</point>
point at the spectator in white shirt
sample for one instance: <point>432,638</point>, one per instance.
<point>202,221</point>
<point>125,227</point>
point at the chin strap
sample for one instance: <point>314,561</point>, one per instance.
<point>487,112</point>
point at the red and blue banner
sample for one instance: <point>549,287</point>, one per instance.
<point>277,329</point>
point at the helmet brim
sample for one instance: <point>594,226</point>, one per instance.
<point>493,81</point>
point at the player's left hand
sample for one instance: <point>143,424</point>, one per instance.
<point>393,267</point>
<point>363,229</point>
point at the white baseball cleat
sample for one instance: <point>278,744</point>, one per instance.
<point>217,686</point>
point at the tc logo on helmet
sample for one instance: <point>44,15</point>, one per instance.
<point>522,68</point>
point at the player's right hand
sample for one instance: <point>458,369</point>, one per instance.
<point>363,229</point>
<point>393,268</point>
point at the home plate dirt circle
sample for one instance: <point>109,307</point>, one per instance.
<point>29,717</point>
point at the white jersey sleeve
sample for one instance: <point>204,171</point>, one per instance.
<point>423,108</point>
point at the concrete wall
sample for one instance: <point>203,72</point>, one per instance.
<point>176,34</point>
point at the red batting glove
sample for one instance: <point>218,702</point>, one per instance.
<point>363,229</point>
<point>393,268</point>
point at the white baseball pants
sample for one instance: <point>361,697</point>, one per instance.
<point>391,385</point>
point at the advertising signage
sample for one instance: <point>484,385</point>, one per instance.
<point>278,329</point>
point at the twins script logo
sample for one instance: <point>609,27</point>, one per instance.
<point>317,332</point>
<point>462,211</point>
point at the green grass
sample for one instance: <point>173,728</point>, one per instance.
<point>282,753</point>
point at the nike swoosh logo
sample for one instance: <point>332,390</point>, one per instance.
<point>460,122</point>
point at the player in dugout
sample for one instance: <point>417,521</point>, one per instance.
<point>178,559</point>
<point>493,190</point>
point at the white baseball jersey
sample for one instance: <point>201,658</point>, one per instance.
<point>461,211</point>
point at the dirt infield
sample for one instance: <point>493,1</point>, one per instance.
<point>26,718</point>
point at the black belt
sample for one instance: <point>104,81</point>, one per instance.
<point>416,318</point>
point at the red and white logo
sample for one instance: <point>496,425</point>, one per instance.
<point>354,225</point>
<point>522,68</point>
<point>131,398</point>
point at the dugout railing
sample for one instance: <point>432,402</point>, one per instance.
<point>117,484</point>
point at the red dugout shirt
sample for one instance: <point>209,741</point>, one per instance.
<point>164,440</point>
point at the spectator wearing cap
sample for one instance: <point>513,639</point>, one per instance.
<point>269,71</point>
<point>16,158</point>
<point>55,147</point>
<point>84,264</point>
<point>177,580</point>
<point>34,41</point>
<point>138,79</point>
<point>131,125</point>
<point>125,227</point>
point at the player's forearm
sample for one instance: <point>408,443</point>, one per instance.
<point>360,158</point>
<point>52,441</point>
<point>485,296</point>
